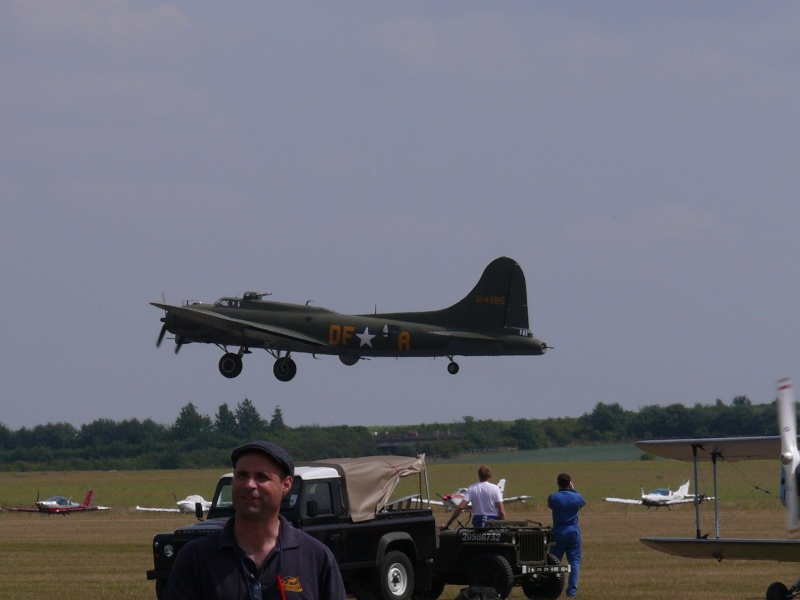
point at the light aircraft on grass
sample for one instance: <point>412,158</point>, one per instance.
<point>453,501</point>
<point>59,505</point>
<point>492,320</point>
<point>188,505</point>
<point>783,447</point>
<point>663,497</point>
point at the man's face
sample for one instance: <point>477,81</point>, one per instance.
<point>258,487</point>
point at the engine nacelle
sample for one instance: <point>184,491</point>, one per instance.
<point>349,359</point>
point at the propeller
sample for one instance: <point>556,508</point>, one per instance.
<point>790,457</point>
<point>161,335</point>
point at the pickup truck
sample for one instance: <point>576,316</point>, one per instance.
<point>384,549</point>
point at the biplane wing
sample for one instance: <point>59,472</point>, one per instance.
<point>783,447</point>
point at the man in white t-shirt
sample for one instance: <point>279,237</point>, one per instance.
<point>486,499</point>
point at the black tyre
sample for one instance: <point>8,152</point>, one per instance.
<point>230,365</point>
<point>494,571</point>
<point>395,577</point>
<point>284,369</point>
<point>777,591</point>
<point>545,587</point>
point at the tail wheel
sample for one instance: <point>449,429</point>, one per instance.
<point>494,571</point>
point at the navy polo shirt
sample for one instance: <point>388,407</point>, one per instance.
<point>215,568</point>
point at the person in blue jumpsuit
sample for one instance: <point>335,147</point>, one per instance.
<point>565,504</point>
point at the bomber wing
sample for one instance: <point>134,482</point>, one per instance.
<point>232,324</point>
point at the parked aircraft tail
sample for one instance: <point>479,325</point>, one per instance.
<point>502,485</point>
<point>88,500</point>
<point>684,489</point>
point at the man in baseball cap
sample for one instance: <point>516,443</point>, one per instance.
<point>258,554</point>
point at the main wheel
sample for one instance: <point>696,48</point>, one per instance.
<point>284,369</point>
<point>230,365</point>
<point>452,368</point>
<point>777,591</point>
<point>545,587</point>
<point>494,571</point>
<point>395,577</point>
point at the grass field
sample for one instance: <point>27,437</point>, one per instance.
<point>105,555</point>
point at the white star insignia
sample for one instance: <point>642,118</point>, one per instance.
<point>366,338</point>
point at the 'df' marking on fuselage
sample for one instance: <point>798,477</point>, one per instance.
<point>340,335</point>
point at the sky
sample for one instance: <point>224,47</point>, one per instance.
<point>640,161</point>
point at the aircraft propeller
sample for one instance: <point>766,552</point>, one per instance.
<point>161,335</point>
<point>790,457</point>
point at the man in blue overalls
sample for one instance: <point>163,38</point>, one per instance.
<point>565,504</point>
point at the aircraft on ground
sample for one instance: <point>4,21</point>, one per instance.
<point>453,501</point>
<point>59,505</point>
<point>492,320</point>
<point>188,505</point>
<point>783,447</point>
<point>662,497</point>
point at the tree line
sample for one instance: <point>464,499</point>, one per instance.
<point>195,440</point>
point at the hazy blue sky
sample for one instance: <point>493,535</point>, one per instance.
<point>640,161</point>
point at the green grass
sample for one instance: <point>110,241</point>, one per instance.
<point>105,555</point>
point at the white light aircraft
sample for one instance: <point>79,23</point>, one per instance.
<point>782,447</point>
<point>187,505</point>
<point>663,497</point>
<point>453,501</point>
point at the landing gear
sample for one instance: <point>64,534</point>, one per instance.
<point>284,369</point>
<point>452,368</point>
<point>230,365</point>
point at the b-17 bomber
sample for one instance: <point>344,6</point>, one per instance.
<point>492,320</point>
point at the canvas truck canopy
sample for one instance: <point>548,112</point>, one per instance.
<point>369,481</point>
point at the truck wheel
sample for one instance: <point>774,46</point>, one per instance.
<point>545,587</point>
<point>777,591</point>
<point>395,577</point>
<point>494,571</point>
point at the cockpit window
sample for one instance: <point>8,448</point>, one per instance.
<point>227,303</point>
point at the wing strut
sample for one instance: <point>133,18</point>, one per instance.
<point>697,498</point>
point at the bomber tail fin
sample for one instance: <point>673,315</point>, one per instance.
<point>88,500</point>
<point>499,300</point>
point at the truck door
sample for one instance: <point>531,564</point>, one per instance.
<point>320,515</point>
